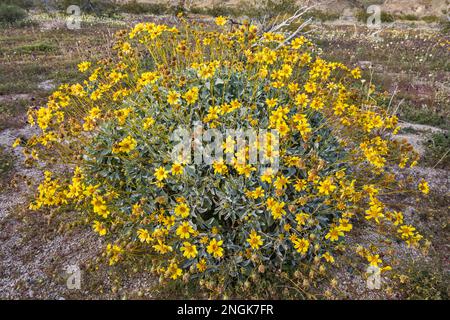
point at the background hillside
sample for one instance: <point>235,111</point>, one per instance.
<point>397,7</point>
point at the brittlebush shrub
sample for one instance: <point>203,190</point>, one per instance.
<point>225,221</point>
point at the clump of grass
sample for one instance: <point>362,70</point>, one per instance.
<point>322,15</point>
<point>6,165</point>
<point>425,282</point>
<point>423,116</point>
<point>408,130</point>
<point>445,27</point>
<point>216,10</point>
<point>438,150</point>
<point>10,112</point>
<point>409,17</point>
<point>36,47</point>
<point>385,17</point>
<point>25,4</point>
<point>431,19</point>
<point>11,14</point>
<point>97,7</point>
<point>135,7</point>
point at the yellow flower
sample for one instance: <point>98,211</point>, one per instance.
<point>220,21</point>
<point>345,225</point>
<point>423,187</point>
<point>16,143</point>
<point>173,97</point>
<point>281,182</point>
<point>356,73</point>
<point>173,271</point>
<point>147,78</point>
<point>326,186</point>
<point>277,210</point>
<point>374,260</point>
<point>114,252</point>
<point>254,240</point>
<point>191,96</point>
<point>201,265</point>
<point>300,184</point>
<point>374,212</point>
<point>182,210</point>
<point>177,169</point>
<point>99,205</point>
<point>126,47</point>
<point>298,42</point>
<point>406,231</point>
<point>328,257</point>
<point>189,250</point>
<point>271,102</point>
<point>144,235</point>
<point>301,245</point>
<point>122,115</point>
<point>127,145</point>
<point>267,176</point>
<point>148,122</point>
<point>99,228</point>
<point>184,230</point>
<point>301,99</point>
<point>334,234</point>
<point>220,167</point>
<point>301,218</point>
<point>161,174</point>
<point>83,66</point>
<point>215,248</point>
<point>162,248</point>
<point>257,193</point>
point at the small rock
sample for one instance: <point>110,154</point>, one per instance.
<point>47,85</point>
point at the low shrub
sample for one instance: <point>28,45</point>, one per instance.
<point>142,8</point>
<point>324,155</point>
<point>96,7</point>
<point>438,150</point>
<point>11,14</point>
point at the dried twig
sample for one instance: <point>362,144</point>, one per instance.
<point>287,22</point>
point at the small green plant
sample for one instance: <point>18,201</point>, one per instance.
<point>215,11</point>
<point>322,15</point>
<point>135,7</point>
<point>423,116</point>
<point>24,4</point>
<point>36,47</point>
<point>445,27</point>
<point>425,282</point>
<point>409,17</point>
<point>97,7</point>
<point>385,17</point>
<point>439,150</point>
<point>11,14</point>
<point>431,19</point>
<point>6,165</point>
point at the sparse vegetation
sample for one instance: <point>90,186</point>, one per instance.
<point>425,281</point>
<point>11,14</point>
<point>136,7</point>
<point>6,164</point>
<point>422,115</point>
<point>438,150</point>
